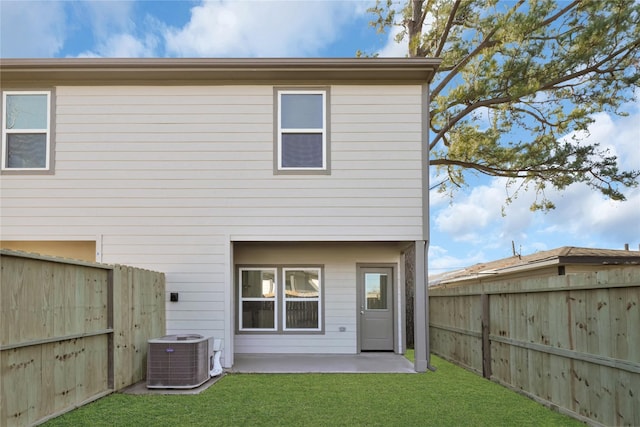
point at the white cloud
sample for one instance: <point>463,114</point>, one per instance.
<point>266,29</point>
<point>216,28</point>
<point>110,17</point>
<point>618,135</point>
<point>588,215</point>
<point>31,29</point>
<point>583,217</point>
<point>394,49</point>
<point>469,214</point>
<point>117,30</point>
<point>124,46</point>
<point>440,260</point>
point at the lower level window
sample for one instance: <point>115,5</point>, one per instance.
<point>258,299</point>
<point>280,299</point>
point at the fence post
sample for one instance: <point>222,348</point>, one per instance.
<point>111,338</point>
<point>486,343</point>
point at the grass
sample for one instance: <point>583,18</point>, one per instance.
<point>451,396</point>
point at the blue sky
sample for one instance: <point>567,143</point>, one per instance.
<point>465,230</point>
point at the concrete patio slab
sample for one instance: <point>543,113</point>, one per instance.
<point>141,388</point>
<point>373,363</point>
<point>370,363</point>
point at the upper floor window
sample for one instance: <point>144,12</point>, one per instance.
<point>26,130</point>
<point>302,134</point>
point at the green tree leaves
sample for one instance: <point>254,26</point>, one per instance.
<point>517,78</point>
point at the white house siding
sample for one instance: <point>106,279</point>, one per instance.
<point>165,177</point>
<point>340,262</point>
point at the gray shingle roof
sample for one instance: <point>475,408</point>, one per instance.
<point>560,256</point>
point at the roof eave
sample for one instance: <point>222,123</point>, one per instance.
<point>212,70</point>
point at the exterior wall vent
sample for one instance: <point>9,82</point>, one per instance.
<point>179,361</point>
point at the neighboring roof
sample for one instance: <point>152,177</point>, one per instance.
<point>83,71</point>
<point>560,256</point>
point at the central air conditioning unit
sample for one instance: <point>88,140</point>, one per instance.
<point>182,361</point>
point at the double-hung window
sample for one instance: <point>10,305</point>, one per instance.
<point>302,131</point>
<point>26,131</point>
<point>258,310</point>
<point>301,299</point>
<point>280,299</point>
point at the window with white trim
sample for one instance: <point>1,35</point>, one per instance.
<point>258,309</point>
<point>302,130</point>
<point>301,299</point>
<point>280,299</point>
<point>26,130</point>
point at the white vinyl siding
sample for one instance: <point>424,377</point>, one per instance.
<point>166,177</point>
<point>150,157</point>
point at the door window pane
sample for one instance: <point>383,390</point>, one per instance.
<point>376,289</point>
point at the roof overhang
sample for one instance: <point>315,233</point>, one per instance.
<point>196,71</point>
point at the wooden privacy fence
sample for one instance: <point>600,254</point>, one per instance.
<point>571,342</point>
<point>71,332</point>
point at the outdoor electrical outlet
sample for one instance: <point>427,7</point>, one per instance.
<point>342,329</point>
<point>173,297</point>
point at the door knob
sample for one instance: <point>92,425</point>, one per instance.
<point>361,311</point>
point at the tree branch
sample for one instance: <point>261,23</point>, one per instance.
<point>536,115</point>
<point>454,71</point>
<point>552,18</point>
<point>447,28</point>
<point>593,68</point>
<point>553,84</point>
<point>507,173</point>
<point>465,112</point>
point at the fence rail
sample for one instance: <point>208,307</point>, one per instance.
<point>71,332</point>
<point>571,342</point>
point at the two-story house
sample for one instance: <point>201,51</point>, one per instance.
<point>279,196</point>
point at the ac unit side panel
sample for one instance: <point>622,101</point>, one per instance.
<point>177,364</point>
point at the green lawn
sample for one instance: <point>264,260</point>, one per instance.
<point>451,396</point>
